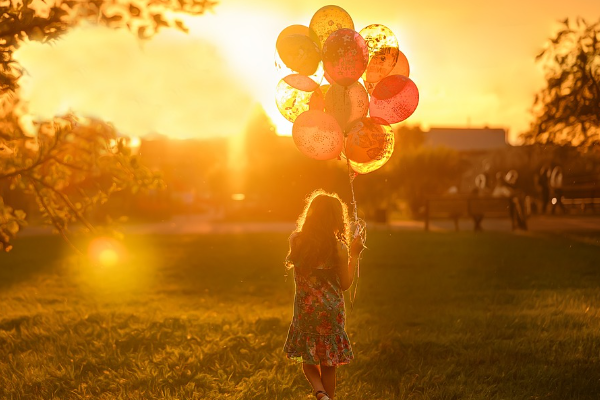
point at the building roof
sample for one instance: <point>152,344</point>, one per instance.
<point>467,139</point>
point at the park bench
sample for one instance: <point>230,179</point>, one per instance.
<point>581,191</point>
<point>473,207</point>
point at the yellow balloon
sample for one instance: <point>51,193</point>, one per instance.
<point>327,20</point>
<point>291,102</point>
<point>283,70</point>
<point>383,52</point>
<point>369,144</point>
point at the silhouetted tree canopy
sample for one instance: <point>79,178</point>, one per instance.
<point>567,110</point>
<point>68,165</point>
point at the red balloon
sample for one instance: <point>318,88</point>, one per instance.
<point>345,56</point>
<point>394,99</point>
<point>318,135</point>
<point>347,103</point>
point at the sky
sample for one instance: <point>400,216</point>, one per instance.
<point>473,62</point>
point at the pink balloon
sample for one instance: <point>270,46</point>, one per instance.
<point>347,103</point>
<point>318,135</point>
<point>301,82</point>
<point>345,56</point>
<point>394,99</point>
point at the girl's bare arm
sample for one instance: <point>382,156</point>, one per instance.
<point>349,262</point>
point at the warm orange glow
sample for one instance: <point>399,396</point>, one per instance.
<point>106,252</point>
<point>472,61</point>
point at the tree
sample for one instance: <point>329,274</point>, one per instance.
<point>426,172</point>
<point>69,164</point>
<point>567,109</point>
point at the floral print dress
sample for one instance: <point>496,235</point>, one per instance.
<point>317,334</point>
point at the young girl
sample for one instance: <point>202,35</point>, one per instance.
<point>323,269</point>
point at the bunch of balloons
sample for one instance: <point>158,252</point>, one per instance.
<point>366,88</point>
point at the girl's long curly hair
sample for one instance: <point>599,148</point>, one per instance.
<point>323,222</point>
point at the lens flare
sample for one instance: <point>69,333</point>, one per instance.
<point>106,252</point>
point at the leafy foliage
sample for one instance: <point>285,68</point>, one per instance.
<point>47,20</point>
<point>68,165</point>
<point>567,110</point>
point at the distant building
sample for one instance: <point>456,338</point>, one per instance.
<point>467,140</point>
<point>479,147</point>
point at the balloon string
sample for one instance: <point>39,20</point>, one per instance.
<point>360,225</point>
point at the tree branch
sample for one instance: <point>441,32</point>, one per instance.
<point>54,220</point>
<point>67,202</point>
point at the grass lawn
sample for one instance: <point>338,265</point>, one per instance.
<point>438,316</point>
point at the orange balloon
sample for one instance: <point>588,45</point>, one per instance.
<point>291,102</point>
<point>292,30</point>
<point>369,145</point>
<point>283,70</point>
<point>327,20</point>
<point>383,51</point>
<point>401,67</point>
<point>347,103</point>
<point>299,53</point>
<point>318,135</point>
<point>317,100</point>
<point>370,86</point>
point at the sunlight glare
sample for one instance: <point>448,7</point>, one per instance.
<point>106,252</point>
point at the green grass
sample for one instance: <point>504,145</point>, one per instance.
<point>438,316</point>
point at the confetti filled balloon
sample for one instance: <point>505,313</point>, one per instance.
<point>327,20</point>
<point>345,56</point>
<point>299,53</point>
<point>401,67</point>
<point>347,103</point>
<point>369,145</point>
<point>394,99</point>
<point>383,51</point>
<point>367,75</point>
<point>291,102</point>
<point>317,100</point>
<point>318,135</point>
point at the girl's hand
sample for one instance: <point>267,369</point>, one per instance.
<point>357,246</point>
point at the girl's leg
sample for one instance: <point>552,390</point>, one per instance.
<point>328,379</point>
<point>313,375</point>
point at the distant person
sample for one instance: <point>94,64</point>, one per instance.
<point>323,269</point>
<point>556,183</point>
<point>544,181</point>
<point>503,190</point>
